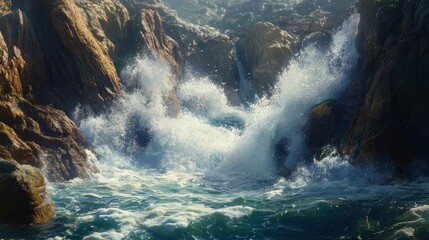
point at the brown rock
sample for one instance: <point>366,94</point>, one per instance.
<point>22,59</point>
<point>149,37</point>
<point>95,69</point>
<point>264,50</point>
<point>107,20</point>
<point>23,195</point>
<point>43,137</point>
<point>205,49</point>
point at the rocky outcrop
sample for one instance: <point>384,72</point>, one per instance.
<point>392,123</point>
<point>43,137</point>
<point>324,126</point>
<point>74,68</point>
<point>22,59</point>
<point>107,20</point>
<point>264,50</point>
<point>300,19</point>
<point>23,196</point>
<point>56,53</point>
<point>387,100</point>
<point>204,49</point>
<point>147,36</point>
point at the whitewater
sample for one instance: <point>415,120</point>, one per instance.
<point>211,171</point>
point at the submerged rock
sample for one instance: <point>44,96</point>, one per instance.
<point>23,196</point>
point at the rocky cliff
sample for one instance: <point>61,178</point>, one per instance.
<point>387,100</point>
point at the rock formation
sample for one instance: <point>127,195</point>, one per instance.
<point>107,20</point>
<point>264,50</point>
<point>392,124</point>
<point>387,100</point>
<point>23,196</point>
<point>204,49</point>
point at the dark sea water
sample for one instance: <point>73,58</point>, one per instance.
<point>210,173</point>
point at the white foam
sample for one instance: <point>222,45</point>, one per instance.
<point>111,235</point>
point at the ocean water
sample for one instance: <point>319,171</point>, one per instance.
<point>210,173</point>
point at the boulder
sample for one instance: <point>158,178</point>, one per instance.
<point>23,195</point>
<point>264,50</point>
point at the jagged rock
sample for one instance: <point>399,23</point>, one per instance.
<point>107,20</point>
<point>298,18</point>
<point>22,60</point>
<point>208,51</point>
<point>264,50</point>
<point>388,95</point>
<point>76,69</point>
<point>149,37</point>
<point>23,196</point>
<point>43,137</point>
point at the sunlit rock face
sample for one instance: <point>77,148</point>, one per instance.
<point>23,196</point>
<point>50,56</point>
<point>204,50</point>
<point>107,20</point>
<point>43,137</point>
<point>264,50</point>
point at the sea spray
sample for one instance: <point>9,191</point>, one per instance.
<point>185,182</point>
<point>209,136</point>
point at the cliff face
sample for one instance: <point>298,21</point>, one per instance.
<point>58,54</point>
<point>387,100</point>
<point>49,56</point>
<point>395,55</point>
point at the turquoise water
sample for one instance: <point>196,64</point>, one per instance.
<point>134,204</point>
<point>211,173</point>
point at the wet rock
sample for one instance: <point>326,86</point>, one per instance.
<point>22,60</point>
<point>149,37</point>
<point>299,19</point>
<point>324,126</point>
<point>205,49</point>
<point>264,50</point>
<point>43,137</point>
<point>389,92</point>
<point>23,196</point>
